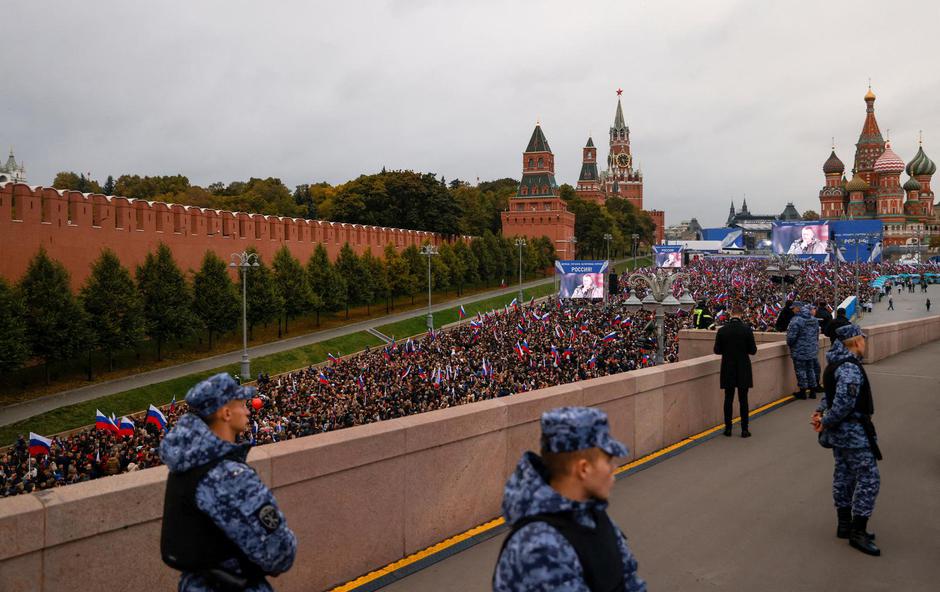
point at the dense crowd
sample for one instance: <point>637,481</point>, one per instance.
<point>512,350</point>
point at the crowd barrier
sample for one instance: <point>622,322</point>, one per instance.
<point>363,497</point>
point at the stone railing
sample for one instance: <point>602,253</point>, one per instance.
<point>363,497</point>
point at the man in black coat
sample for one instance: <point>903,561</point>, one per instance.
<point>840,321</point>
<point>734,342</point>
<point>784,318</point>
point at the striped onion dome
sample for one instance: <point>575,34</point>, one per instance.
<point>912,184</point>
<point>833,164</point>
<point>856,184</point>
<point>889,162</point>
<point>921,165</point>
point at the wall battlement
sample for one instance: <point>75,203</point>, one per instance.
<point>74,227</point>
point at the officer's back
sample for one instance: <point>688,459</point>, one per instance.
<point>221,525</point>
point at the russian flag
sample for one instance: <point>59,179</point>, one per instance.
<point>39,445</point>
<point>514,303</point>
<point>173,404</point>
<point>104,423</point>
<point>555,355</point>
<point>156,417</point>
<point>616,321</point>
<point>592,361</point>
<point>126,426</point>
<point>626,322</point>
<point>437,378</point>
<point>362,383</point>
<point>721,297</point>
<point>525,346</point>
<point>322,379</point>
<point>422,374</point>
<point>612,336</point>
<point>406,372</point>
<point>476,324</point>
<point>518,349</point>
<point>461,313</point>
<point>332,357</point>
<point>487,369</point>
<point>519,329</point>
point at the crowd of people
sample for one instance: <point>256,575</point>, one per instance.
<point>516,349</point>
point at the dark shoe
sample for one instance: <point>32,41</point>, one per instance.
<point>728,432</point>
<point>819,389</point>
<point>812,393</point>
<point>844,527</point>
<point>858,537</point>
<point>745,434</point>
<point>800,394</point>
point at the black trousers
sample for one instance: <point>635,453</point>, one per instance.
<point>742,404</point>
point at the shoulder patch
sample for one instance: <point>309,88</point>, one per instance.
<point>269,517</point>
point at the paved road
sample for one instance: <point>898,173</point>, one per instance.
<point>906,306</point>
<point>757,514</point>
<point>20,411</point>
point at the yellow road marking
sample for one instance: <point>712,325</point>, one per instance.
<point>487,526</point>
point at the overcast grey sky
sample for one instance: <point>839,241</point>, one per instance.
<point>723,98</point>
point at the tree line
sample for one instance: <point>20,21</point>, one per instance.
<point>42,320</point>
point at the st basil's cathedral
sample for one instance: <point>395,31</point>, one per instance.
<point>875,191</point>
<point>537,210</point>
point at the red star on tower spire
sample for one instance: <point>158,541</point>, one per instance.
<point>619,91</point>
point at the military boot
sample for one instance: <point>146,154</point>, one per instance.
<point>811,392</point>
<point>800,394</point>
<point>858,537</point>
<point>845,522</point>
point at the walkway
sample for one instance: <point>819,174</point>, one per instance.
<point>733,514</point>
<point>20,411</point>
<point>906,306</point>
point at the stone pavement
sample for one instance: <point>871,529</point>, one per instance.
<point>906,306</point>
<point>757,514</point>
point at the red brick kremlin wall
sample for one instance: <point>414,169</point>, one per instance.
<point>75,227</point>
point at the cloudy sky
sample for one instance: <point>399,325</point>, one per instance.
<point>724,99</point>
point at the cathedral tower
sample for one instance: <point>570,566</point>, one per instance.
<point>832,196</point>
<point>589,184</point>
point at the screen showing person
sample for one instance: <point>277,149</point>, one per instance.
<point>670,259</point>
<point>586,285</point>
<point>812,240</point>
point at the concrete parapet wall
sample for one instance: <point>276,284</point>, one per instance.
<point>366,496</point>
<point>74,227</point>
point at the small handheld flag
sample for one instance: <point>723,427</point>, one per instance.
<point>156,417</point>
<point>104,423</point>
<point>39,444</point>
<point>323,379</point>
<point>126,426</point>
<point>461,313</point>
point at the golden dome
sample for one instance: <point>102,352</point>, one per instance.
<point>869,96</point>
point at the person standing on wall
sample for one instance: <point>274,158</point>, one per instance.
<point>221,525</point>
<point>734,342</point>
<point>561,537</point>
<point>843,422</point>
<point>803,339</point>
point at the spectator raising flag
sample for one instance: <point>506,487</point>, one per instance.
<point>39,445</point>
<point>461,313</point>
<point>155,417</point>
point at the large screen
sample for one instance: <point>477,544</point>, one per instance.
<point>800,238</point>
<point>669,256</point>
<point>858,240</point>
<point>580,279</point>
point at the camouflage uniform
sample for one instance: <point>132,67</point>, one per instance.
<point>231,494</point>
<point>856,480</point>
<point>538,557</point>
<point>803,339</point>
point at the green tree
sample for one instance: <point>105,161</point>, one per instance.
<point>291,280</point>
<point>167,299</point>
<point>113,305</point>
<point>55,322</point>
<point>348,268</point>
<point>417,269</point>
<point>322,280</point>
<point>468,265</point>
<point>75,182</point>
<point>265,302</point>
<point>810,215</point>
<point>14,345</point>
<point>373,278</point>
<point>216,302</point>
<point>108,187</point>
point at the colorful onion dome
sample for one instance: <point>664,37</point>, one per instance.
<point>889,162</point>
<point>912,184</point>
<point>833,164</point>
<point>921,165</point>
<point>856,184</point>
<point>869,96</point>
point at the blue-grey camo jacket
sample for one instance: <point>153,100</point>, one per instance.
<point>538,557</point>
<point>847,434</point>
<point>803,335</point>
<point>234,497</point>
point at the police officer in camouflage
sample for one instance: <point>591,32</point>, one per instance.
<point>803,339</point>
<point>555,503</point>
<point>843,421</point>
<point>221,525</point>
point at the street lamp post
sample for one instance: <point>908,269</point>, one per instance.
<point>243,261</point>
<point>429,251</point>
<point>660,300</point>
<point>783,266</point>
<point>636,239</point>
<point>607,238</point>
<point>835,252</point>
<point>520,242</point>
